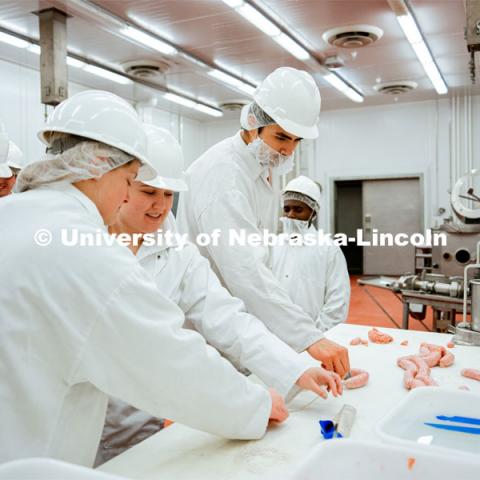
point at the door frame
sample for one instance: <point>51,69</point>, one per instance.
<point>403,176</point>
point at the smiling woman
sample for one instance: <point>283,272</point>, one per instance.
<point>90,315</point>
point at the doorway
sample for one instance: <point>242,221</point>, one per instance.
<point>388,205</point>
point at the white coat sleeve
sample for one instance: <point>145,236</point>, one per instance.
<point>337,291</point>
<point>224,323</point>
<point>139,352</point>
<point>244,271</point>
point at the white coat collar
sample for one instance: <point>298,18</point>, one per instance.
<point>168,226</point>
<point>254,169</point>
<point>71,191</point>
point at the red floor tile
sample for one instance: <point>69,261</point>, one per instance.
<point>364,310</point>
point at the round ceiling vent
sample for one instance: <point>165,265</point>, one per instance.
<point>395,88</point>
<point>233,105</point>
<point>146,69</point>
<point>353,36</point>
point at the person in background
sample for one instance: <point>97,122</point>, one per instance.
<point>315,276</point>
<point>185,277</point>
<point>82,323</point>
<point>8,161</point>
<point>232,187</point>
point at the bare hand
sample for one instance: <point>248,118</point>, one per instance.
<point>333,356</point>
<point>316,379</point>
<point>279,411</point>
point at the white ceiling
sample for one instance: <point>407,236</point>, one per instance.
<point>212,31</point>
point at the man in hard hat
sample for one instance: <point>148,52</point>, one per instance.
<point>315,276</point>
<point>232,187</point>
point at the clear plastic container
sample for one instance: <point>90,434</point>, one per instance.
<point>50,469</point>
<point>405,424</point>
<point>355,460</point>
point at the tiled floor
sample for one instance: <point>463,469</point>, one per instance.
<point>364,310</point>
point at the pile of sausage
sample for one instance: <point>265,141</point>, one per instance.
<point>417,367</point>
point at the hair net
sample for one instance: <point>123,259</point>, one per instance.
<point>253,117</point>
<point>71,159</point>
<point>302,198</point>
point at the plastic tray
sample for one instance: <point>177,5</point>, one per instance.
<point>404,425</point>
<point>355,460</point>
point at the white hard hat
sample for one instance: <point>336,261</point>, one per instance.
<point>305,186</point>
<point>291,97</point>
<point>165,154</point>
<point>5,171</point>
<point>15,158</point>
<point>101,116</point>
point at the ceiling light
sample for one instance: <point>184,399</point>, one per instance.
<point>102,72</point>
<point>149,40</point>
<point>208,110</point>
<point>34,48</point>
<point>180,100</point>
<point>232,81</point>
<point>414,35</point>
<point>15,41</point>
<point>233,3</point>
<point>259,20</point>
<point>73,62</point>
<point>338,83</point>
<point>292,46</point>
<point>225,77</point>
<point>248,89</point>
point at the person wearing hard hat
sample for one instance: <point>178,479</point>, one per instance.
<point>232,187</point>
<point>185,277</point>
<point>81,323</point>
<point>7,175</point>
<point>315,276</point>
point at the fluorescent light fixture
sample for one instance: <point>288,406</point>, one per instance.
<point>14,41</point>
<point>234,3</point>
<point>73,62</point>
<point>410,28</point>
<point>336,82</point>
<point>180,100</point>
<point>292,46</point>
<point>414,36</point>
<point>225,78</point>
<point>186,102</point>
<point>259,20</point>
<point>208,110</point>
<point>265,25</point>
<point>149,40</point>
<point>232,81</point>
<point>101,72</point>
<point>34,49</point>
<point>248,89</point>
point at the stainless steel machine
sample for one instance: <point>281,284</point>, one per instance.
<point>447,278</point>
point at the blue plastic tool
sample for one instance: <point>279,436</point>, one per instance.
<point>468,420</point>
<point>455,428</point>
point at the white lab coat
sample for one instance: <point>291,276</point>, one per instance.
<point>316,278</point>
<point>186,278</point>
<point>228,190</point>
<point>81,323</point>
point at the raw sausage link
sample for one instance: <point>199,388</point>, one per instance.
<point>472,373</point>
<point>376,336</point>
<point>358,379</point>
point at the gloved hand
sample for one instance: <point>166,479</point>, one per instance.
<point>317,378</point>
<point>333,356</point>
<point>279,411</point>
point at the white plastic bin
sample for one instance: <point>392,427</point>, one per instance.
<point>50,469</point>
<point>355,460</point>
<point>405,424</point>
